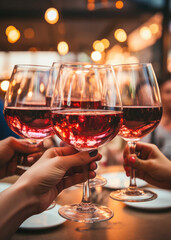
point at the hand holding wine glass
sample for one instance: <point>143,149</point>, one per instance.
<point>142,112</point>
<point>86,113</point>
<point>150,165</point>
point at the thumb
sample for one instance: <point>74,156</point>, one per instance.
<point>78,159</point>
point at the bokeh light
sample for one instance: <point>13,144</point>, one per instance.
<point>13,35</point>
<point>62,48</point>
<point>145,33</point>
<point>98,46</point>
<point>91,6</point>
<point>119,4</point>
<point>51,15</point>
<point>96,56</point>
<point>4,85</point>
<point>29,33</point>
<point>120,35</point>
<point>154,28</point>
<point>8,29</point>
<point>105,42</point>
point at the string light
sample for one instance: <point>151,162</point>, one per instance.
<point>98,46</point>
<point>154,28</point>
<point>119,4</point>
<point>8,29</point>
<point>120,35</point>
<point>145,33</point>
<point>51,15</point>
<point>62,48</point>
<point>105,42</point>
<point>96,56</point>
<point>4,85</point>
<point>13,35</point>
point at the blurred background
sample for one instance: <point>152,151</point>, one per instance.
<point>102,31</point>
<point>99,31</point>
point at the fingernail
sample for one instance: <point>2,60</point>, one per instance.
<point>127,169</point>
<point>93,153</point>
<point>132,159</point>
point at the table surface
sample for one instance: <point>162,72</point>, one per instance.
<point>127,223</point>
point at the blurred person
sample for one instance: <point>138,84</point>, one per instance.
<point>151,165</point>
<point>112,152</point>
<point>36,188</point>
<point>161,136</point>
<point>5,131</point>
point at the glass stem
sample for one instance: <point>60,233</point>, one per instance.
<point>86,192</point>
<point>132,184</point>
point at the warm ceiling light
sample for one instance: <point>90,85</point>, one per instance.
<point>4,85</point>
<point>29,33</point>
<point>154,28</point>
<point>120,35</point>
<point>51,15</point>
<point>119,4</point>
<point>105,42</point>
<point>13,36</point>
<point>62,48</point>
<point>8,29</point>
<point>90,6</point>
<point>145,33</point>
<point>96,56</point>
<point>98,46</point>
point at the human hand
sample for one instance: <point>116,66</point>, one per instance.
<point>11,152</point>
<point>57,169</point>
<point>150,165</point>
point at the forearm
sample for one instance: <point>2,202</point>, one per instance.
<point>15,207</point>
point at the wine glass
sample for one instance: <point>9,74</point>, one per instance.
<point>25,107</point>
<point>86,113</point>
<point>98,180</point>
<point>142,112</point>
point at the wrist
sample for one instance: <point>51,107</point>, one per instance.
<point>15,207</point>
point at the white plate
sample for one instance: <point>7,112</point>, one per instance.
<point>4,186</point>
<point>118,180</point>
<point>163,201</point>
<point>46,219</point>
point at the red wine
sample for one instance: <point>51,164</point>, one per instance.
<point>83,104</point>
<point>32,123</point>
<point>139,121</point>
<point>86,129</point>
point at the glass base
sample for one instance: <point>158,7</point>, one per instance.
<point>98,181</point>
<point>133,195</point>
<point>86,213</point>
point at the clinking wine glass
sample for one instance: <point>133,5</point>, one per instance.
<point>98,180</point>
<point>86,113</point>
<point>142,112</point>
<point>25,109</point>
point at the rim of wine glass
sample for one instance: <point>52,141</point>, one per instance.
<point>86,65</point>
<point>32,66</point>
<point>131,64</point>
